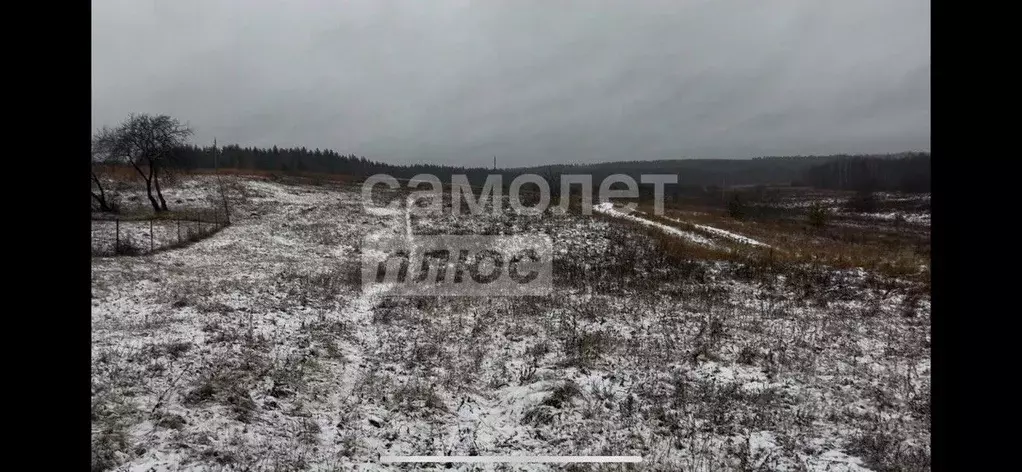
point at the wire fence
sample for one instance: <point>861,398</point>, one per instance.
<point>132,235</point>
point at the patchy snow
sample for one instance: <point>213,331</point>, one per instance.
<point>258,349</point>
<point>607,208</point>
<point>730,235</point>
<point>916,218</point>
<point>724,233</point>
<point>801,202</point>
<point>836,461</point>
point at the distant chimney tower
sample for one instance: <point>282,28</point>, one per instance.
<point>494,162</point>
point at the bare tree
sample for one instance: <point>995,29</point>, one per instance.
<point>148,143</point>
<point>98,194</point>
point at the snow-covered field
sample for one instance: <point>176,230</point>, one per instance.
<point>257,349</point>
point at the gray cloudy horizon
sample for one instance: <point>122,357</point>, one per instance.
<point>532,82</point>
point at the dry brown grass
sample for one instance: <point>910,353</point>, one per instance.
<point>884,250</point>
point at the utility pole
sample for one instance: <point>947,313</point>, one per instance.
<point>220,182</point>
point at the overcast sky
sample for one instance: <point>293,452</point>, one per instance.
<point>531,82</point>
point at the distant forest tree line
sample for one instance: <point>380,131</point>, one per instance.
<point>155,145</point>
<point>907,172</point>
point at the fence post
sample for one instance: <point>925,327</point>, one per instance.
<point>117,237</point>
<point>150,235</point>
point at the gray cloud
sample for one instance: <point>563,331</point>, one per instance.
<point>529,81</point>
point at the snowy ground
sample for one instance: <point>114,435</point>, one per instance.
<point>917,218</point>
<point>913,209</point>
<point>143,236</point>
<point>608,208</point>
<point>256,349</point>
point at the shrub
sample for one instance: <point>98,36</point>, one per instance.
<point>736,208</point>
<point>818,215</point>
